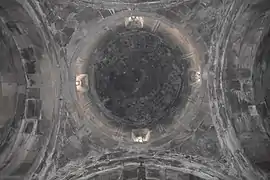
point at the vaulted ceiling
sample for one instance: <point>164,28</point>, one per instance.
<point>134,90</point>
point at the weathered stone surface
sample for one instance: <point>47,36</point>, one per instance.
<point>219,128</point>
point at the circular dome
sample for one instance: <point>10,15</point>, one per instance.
<point>139,76</point>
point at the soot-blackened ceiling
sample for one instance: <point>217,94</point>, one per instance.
<point>134,89</point>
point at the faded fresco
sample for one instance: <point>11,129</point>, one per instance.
<point>134,90</point>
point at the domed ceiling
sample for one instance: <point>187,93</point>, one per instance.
<point>134,90</point>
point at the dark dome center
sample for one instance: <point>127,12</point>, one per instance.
<point>138,77</point>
